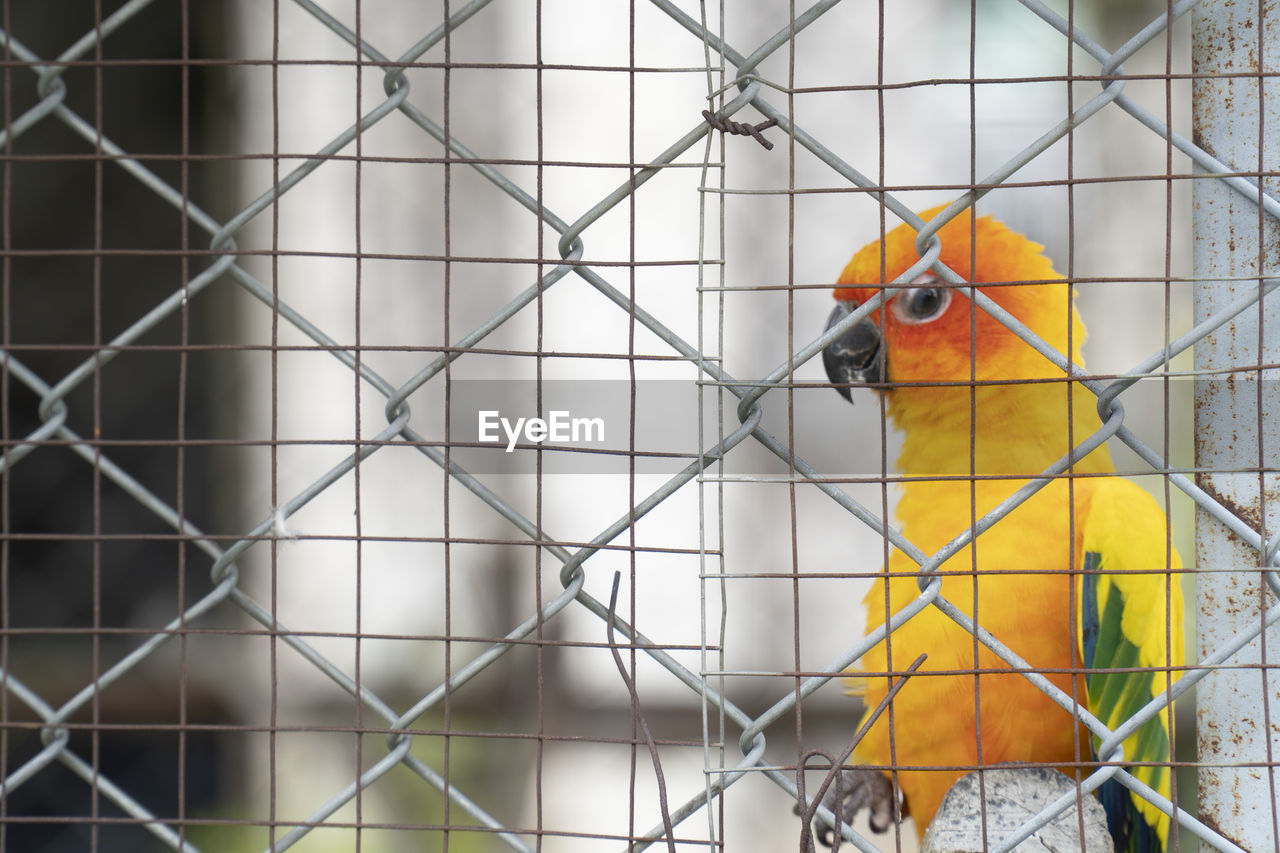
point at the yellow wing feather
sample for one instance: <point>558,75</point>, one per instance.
<point>1131,641</point>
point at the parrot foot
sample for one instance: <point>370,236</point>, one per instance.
<point>863,788</point>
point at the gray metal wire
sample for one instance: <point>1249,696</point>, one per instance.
<point>224,587</point>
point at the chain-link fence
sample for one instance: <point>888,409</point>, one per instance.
<point>272,580</point>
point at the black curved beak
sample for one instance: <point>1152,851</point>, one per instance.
<point>854,357</point>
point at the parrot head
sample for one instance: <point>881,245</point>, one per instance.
<point>928,331</point>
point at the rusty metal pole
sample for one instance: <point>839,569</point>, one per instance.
<point>1237,120</point>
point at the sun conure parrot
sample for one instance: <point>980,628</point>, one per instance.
<point>1078,579</point>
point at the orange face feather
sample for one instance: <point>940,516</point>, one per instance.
<point>1013,271</point>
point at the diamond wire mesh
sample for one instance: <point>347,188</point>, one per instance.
<point>57,718</point>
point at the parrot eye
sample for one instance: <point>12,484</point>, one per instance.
<point>922,304</point>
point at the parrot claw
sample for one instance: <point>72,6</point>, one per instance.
<point>863,788</point>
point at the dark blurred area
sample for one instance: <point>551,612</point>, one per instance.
<point>88,572</point>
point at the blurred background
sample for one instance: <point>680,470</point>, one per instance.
<point>379,270</point>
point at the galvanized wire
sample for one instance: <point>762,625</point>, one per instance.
<point>224,263</point>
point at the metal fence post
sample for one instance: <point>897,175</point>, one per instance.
<point>1237,119</point>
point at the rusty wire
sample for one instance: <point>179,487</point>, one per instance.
<point>64,399</point>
